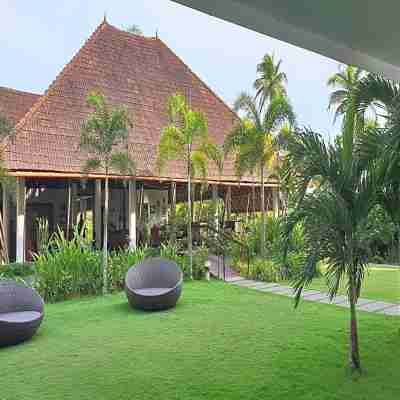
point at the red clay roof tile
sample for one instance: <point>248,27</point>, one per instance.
<point>14,104</point>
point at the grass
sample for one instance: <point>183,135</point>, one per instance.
<point>221,342</point>
<point>380,284</point>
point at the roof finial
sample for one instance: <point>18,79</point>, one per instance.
<point>156,33</point>
<point>105,17</point>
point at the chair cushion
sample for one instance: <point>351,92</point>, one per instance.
<point>152,291</point>
<point>20,317</point>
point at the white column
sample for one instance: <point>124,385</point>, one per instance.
<point>74,203</point>
<point>132,214</point>
<point>275,201</point>
<point>215,203</point>
<point>97,213</point>
<point>172,218</point>
<point>6,222</point>
<point>20,231</point>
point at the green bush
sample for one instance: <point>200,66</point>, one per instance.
<point>68,268</point>
<point>16,270</point>
<point>264,270</point>
<point>120,261</point>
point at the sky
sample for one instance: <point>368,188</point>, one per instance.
<point>37,39</point>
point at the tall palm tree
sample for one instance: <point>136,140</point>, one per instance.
<point>270,81</point>
<point>252,141</point>
<point>384,143</point>
<point>333,212</point>
<point>134,29</point>
<point>344,82</point>
<point>6,130</point>
<point>104,136</point>
<point>185,138</point>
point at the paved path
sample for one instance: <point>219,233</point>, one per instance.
<point>233,278</point>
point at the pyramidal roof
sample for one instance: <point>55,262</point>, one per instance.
<point>135,71</point>
<point>14,104</point>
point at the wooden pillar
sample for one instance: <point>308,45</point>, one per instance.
<point>228,203</point>
<point>97,213</point>
<point>172,219</point>
<point>275,201</point>
<point>20,229</point>
<point>6,221</point>
<point>132,214</point>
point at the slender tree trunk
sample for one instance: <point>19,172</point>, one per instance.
<point>189,227</point>
<point>105,238</point>
<point>262,213</point>
<point>398,244</point>
<point>355,363</point>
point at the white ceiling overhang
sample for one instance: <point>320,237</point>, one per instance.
<point>365,33</point>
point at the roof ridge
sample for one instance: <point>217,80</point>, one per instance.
<point>197,77</point>
<point>48,91</point>
<point>19,91</point>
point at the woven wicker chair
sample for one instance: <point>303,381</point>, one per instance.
<point>21,313</point>
<point>154,284</point>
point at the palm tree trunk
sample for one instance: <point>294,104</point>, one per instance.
<point>262,213</point>
<point>398,244</point>
<point>189,227</point>
<point>355,363</point>
<point>105,237</point>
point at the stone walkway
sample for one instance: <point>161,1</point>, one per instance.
<point>233,278</point>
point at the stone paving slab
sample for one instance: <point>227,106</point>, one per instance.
<point>244,283</point>
<point>374,306</point>
<point>395,310</point>
<point>258,285</point>
<point>274,289</point>
<point>337,300</point>
<point>316,297</point>
<point>360,303</point>
<point>307,293</point>
<point>266,286</point>
<point>286,292</point>
<point>235,279</point>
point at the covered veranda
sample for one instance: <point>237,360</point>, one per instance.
<point>136,206</point>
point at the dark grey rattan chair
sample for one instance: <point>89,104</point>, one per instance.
<point>154,284</point>
<point>21,313</point>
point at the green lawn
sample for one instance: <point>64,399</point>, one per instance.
<point>380,284</point>
<point>221,342</point>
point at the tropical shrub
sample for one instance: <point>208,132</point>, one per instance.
<point>120,261</point>
<point>19,272</point>
<point>262,270</point>
<point>68,268</point>
<point>275,266</point>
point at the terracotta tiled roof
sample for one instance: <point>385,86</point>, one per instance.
<point>137,72</point>
<point>14,104</point>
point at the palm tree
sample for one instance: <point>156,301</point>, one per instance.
<point>134,29</point>
<point>344,82</point>
<point>384,143</point>
<point>253,141</point>
<point>346,184</point>
<point>185,138</point>
<point>6,130</point>
<point>270,81</point>
<point>104,136</point>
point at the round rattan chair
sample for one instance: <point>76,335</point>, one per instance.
<point>154,284</point>
<point>21,313</point>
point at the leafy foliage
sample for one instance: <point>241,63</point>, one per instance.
<point>104,136</point>
<point>185,138</point>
